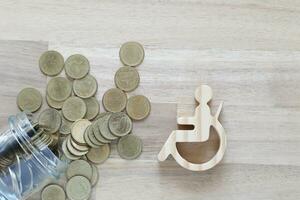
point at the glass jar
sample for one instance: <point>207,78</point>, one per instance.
<point>25,167</point>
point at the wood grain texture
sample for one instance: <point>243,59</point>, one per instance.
<point>247,51</point>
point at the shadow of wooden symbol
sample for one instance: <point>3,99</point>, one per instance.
<point>202,122</point>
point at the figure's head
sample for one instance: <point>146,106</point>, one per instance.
<point>203,94</point>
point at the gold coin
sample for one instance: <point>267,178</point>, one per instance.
<point>54,140</point>
<point>114,100</point>
<point>78,188</point>
<point>50,120</point>
<point>77,66</point>
<point>73,150</point>
<point>97,133</point>
<point>59,89</point>
<point>79,168</point>
<point>93,108</point>
<point>127,78</point>
<point>53,191</point>
<point>66,151</point>
<point>29,99</point>
<point>85,87</point>
<point>78,147</point>
<point>51,63</point>
<point>120,124</point>
<point>104,129</point>
<point>130,147</point>
<point>132,54</point>
<point>54,104</point>
<point>98,155</point>
<point>87,138</point>
<point>74,108</point>
<point>138,107</point>
<point>78,129</point>
<point>65,128</point>
<point>95,176</point>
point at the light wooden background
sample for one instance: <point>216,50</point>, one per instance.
<point>247,51</point>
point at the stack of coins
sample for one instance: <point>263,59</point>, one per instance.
<point>72,126</point>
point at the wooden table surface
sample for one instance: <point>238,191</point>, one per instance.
<point>247,51</point>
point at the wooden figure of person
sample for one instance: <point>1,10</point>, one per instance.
<point>202,121</point>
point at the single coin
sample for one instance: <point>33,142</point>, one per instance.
<point>74,151</point>
<point>138,107</point>
<point>78,129</point>
<point>98,155</point>
<point>29,99</point>
<point>120,124</point>
<point>130,147</point>
<point>51,63</point>
<point>114,100</point>
<point>85,87</point>
<point>132,54</point>
<point>65,128</point>
<point>51,192</point>
<point>50,120</point>
<point>77,66</point>
<point>95,176</point>
<point>59,89</point>
<point>54,104</point>
<point>104,129</point>
<point>67,153</point>
<point>78,188</point>
<point>93,108</point>
<point>74,108</point>
<point>127,78</point>
<point>80,168</point>
<point>87,139</point>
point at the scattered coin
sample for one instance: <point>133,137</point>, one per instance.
<point>104,129</point>
<point>80,168</point>
<point>114,100</point>
<point>95,176</point>
<point>67,153</point>
<point>54,104</point>
<point>138,107</point>
<point>120,124</point>
<point>130,147</point>
<point>98,155</point>
<point>65,128</point>
<point>77,66</point>
<point>51,192</point>
<point>51,63</point>
<point>78,130</point>
<point>127,78</point>
<point>29,99</point>
<point>132,54</point>
<point>93,108</point>
<point>59,89</point>
<point>74,108</point>
<point>85,87</point>
<point>50,120</point>
<point>78,188</point>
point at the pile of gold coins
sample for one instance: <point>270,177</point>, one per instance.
<point>74,129</point>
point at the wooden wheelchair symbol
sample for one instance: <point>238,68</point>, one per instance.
<point>202,121</point>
